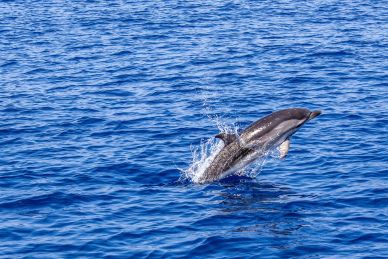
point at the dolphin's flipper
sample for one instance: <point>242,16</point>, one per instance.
<point>284,147</point>
<point>226,137</point>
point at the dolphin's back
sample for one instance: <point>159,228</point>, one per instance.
<point>268,123</point>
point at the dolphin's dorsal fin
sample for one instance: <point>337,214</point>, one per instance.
<point>226,137</point>
<point>284,147</point>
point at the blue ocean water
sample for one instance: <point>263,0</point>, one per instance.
<point>102,103</point>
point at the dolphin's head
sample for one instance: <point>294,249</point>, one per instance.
<point>301,116</point>
<point>314,114</point>
<point>294,119</point>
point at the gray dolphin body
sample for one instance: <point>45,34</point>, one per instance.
<point>266,133</point>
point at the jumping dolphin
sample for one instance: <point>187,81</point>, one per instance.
<point>266,133</point>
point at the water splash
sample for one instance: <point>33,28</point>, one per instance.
<point>204,154</point>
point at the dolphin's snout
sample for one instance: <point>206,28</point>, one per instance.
<point>314,114</point>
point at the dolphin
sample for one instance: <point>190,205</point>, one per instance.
<point>253,142</point>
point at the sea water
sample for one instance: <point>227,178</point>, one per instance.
<point>102,104</point>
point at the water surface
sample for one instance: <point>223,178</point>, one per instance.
<point>100,102</point>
